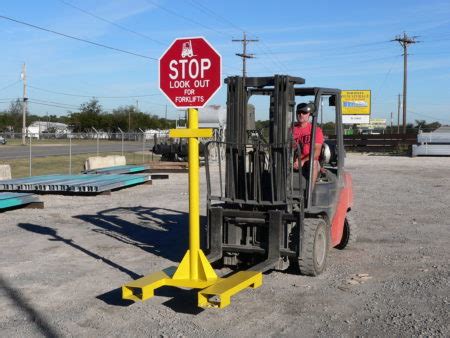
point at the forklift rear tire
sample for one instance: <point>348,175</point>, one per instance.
<point>350,233</point>
<point>315,246</point>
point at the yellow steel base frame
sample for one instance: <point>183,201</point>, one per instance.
<point>217,291</point>
<point>219,294</point>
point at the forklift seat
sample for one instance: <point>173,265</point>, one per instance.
<point>328,154</point>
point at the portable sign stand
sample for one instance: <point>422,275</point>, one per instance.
<point>199,75</point>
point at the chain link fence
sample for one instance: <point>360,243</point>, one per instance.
<point>65,152</point>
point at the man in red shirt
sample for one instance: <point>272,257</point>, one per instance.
<point>302,136</point>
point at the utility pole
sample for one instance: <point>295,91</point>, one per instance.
<point>24,103</point>
<point>405,41</point>
<point>129,121</point>
<point>391,122</point>
<point>398,114</point>
<point>165,119</point>
<point>244,54</point>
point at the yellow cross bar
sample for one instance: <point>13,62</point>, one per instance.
<point>190,133</point>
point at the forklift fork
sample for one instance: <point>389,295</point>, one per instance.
<point>275,234</point>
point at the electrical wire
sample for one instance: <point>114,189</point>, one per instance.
<point>429,116</point>
<point>91,96</point>
<point>53,102</point>
<point>386,77</point>
<point>110,22</point>
<point>324,66</point>
<point>76,38</point>
<point>186,18</point>
<point>49,105</point>
<point>209,11</point>
<point>65,106</point>
<point>276,61</point>
<point>10,85</point>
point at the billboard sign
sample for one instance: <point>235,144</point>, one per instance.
<point>356,106</point>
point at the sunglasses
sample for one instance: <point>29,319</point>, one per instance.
<point>303,112</point>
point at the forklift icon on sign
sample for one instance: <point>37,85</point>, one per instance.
<point>187,49</point>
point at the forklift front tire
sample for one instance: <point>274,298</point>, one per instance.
<point>315,246</point>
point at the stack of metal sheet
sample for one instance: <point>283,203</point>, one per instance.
<point>94,183</point>
<point>14,199</point>
<point>436,143</point>
<point>437,138</point>
<point>120,169</point>
<point>431,149</point>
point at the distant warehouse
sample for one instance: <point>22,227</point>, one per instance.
<point>43,127</point>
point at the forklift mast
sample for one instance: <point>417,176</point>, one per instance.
<point>257,172</point>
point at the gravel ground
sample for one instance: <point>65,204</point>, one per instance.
<point>61,267</point>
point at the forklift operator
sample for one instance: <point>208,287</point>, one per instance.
<point>302,136</point>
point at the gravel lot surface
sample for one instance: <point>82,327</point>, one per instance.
<point>61,267</point>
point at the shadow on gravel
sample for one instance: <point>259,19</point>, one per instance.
<point>181,300</point>
<point>162,232</point>
<point>43,230</point>
<point>113,297</point>
<point>24,306</point>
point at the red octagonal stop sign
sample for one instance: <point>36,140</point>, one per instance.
<point>190,72</point>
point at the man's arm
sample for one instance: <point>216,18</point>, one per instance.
<point>317,150</point>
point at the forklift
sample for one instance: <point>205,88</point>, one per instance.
<point>261,213</point>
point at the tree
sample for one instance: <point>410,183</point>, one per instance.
<point>11,119</point>
<point>420,124</point>
<point>121,116</point>
<point>90,115</point>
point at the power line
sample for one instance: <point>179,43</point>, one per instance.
<point>91,96</point>
<point>9,98</point>
<point>49,105</point>
<point>10,85</point>
<point>76,38</point>
<point>429,116</point>
<point>186,18</point>
<point>54,102</point>
<point>271,54</point>
<point>110,22</point>
<point>325,52</point>
<point>209,11</point>
<point>324,66</point>
<point>386,77</point>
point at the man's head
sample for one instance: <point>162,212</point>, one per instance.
<point>304,111</point>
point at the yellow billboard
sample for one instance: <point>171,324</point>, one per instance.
<point>356,102</point>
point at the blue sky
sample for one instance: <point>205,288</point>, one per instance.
<point>343,44</point>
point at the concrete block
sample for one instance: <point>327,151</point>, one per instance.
<point>5,172</point>
<point>97,162</point>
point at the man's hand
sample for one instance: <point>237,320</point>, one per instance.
<point>296,164</point>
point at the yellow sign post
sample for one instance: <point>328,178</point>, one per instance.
<point>194,270</point>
